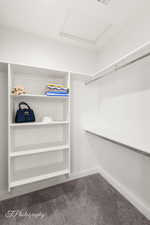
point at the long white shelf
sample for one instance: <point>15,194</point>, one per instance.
<point>37,151</point>
<point>137,54</point>
<point>38,178</point>
<point>116,138</point>
<point>38,124</point>
<point>38,96</point>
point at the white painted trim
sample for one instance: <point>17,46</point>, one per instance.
<point>5,195</point>
<point>134,200</point>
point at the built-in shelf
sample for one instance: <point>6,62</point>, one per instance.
<point>38,124</point>
<point>38,96</point>
<point>38,178</point>
<point>44,153</point>
<point>37,151</point>
<point>116,138</point>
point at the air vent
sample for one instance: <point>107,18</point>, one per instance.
<point>105,2</point>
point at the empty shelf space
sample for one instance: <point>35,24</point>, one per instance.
<point>38,123</point>
<point>32,151</point>
<point>31,168</point>
<point>116,138</point>
<point>39,96</point>
<point>38,178</point>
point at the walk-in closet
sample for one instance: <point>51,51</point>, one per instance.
<point>74,112</point>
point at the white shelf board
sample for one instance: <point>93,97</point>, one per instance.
<point>38,96</point>
<point>132,56</point>
<point>37,151</point>
<point>38,178</point>
<point>117,138</point>
<point>38,124</point>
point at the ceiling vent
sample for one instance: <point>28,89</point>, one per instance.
<point>105,2</point>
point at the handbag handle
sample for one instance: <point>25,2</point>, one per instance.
<point>23,103</point>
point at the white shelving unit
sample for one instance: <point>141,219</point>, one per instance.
<point>38,150</point>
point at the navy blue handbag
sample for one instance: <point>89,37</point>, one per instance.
<point>24,115</point>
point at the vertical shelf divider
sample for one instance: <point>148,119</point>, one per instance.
<point>68,119</point>
<point>9,121</point>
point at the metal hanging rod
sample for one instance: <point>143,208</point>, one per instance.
<point>133,61</point>
<point>114,67</point>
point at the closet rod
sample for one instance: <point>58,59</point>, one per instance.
<point>116,68</point>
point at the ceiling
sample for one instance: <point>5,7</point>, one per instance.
<point>85,23</point>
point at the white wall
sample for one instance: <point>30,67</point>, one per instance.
<point>25,48</point>
<point>132,35</point>
<point>123,105</point>
<point>82,154</point>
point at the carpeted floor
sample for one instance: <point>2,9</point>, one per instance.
<point>86,201</point>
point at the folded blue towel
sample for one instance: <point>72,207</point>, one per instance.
<point>56,94</point>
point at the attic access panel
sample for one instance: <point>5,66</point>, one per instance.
<point>82,27</point>
<point>105,2</point>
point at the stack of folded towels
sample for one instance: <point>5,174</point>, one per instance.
<point>56,90</point>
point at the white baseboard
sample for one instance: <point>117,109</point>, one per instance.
<point>45,184</point>
<point>83,173</point>
<point>134,200</point>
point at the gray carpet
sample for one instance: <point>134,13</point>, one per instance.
<point>86,201</point>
